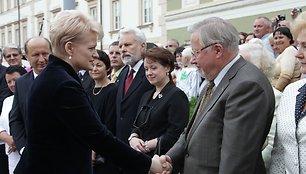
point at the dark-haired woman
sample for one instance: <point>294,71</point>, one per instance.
<point>163,111</point>
<point>103,96</point>
<point>287,67</point>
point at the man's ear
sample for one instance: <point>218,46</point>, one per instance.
<point>218,48</point>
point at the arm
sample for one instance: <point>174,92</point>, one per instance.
<point>245,128</point>
<point>4,136</point>
<point>87,127</point>
<point>177,153</point>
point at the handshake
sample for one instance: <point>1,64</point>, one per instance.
<point>161,165</point>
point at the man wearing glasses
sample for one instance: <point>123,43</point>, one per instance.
<point>233,114</point>
<point>13,56</point>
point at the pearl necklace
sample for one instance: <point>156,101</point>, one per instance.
<point>93,91</point>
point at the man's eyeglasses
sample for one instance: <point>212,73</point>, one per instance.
<point>197,52</point>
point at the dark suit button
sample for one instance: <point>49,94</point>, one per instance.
<point>121,118</point>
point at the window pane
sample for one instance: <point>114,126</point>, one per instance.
<point>116,14</point>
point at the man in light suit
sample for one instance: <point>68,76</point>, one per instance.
<point>226,134</point>
<point>37,50</point>
<point>132,45</point>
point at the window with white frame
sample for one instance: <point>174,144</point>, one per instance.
<point>17,36</point>
<point>116,14</point>
<point>15,3</point>
<point>2,37</point>
<point>55,12</point>
<point>147,11</point>
<point>1,6</point>
<point>24,33</point>
<point>8,4</point>
<point>93,12</point>
<point>40,24</point>
<point>9,36</point>
<point>186,3</point>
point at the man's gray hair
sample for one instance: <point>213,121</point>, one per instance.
<point>140,36</point>
<point>217,30</point>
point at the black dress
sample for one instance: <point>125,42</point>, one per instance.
<point>104,100</point>
<point>163,117</point>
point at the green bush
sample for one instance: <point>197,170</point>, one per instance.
<point>192,104</point>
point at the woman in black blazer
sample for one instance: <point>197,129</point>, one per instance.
<point>63,126</point>
<point>163,112</point>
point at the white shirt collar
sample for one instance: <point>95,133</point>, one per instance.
<point>35,74</point>
<point>137,67</point>
<point>222,73</point>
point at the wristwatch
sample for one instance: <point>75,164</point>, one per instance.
<point>132,136</point>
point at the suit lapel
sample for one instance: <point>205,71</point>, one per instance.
<point>136,82</point>
<point>121,81</point>
<point>216,94</point>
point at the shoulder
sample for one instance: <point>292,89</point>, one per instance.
<point>8,99</point>
<point>293,87</point>
<point>176,94</point>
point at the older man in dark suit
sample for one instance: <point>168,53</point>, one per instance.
<point>132,82</point>
<point>234,113</point>
<point>37,50</point>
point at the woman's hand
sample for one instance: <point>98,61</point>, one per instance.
<point>151,144</point>
<point>138,144</point>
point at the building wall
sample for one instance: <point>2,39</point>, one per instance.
<point>240,13</point>
<point>34,11</point>
<point>170,17</point>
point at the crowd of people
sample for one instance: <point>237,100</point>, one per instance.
<point>230,102</point>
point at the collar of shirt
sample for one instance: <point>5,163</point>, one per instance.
<point>265,36</point>
<point>35,74</point>
<point>82,72</point>
<point>222,73</point>
<point>136,67</point>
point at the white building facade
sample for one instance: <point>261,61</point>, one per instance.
<point>159,19</point>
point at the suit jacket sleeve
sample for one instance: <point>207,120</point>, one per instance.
<point>78,116</point>
<point>177,153</point>
<point>16,122</point>
<point>243,121</point>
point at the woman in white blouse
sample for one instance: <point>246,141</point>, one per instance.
<point>11,75</point>
<point>289,151</point>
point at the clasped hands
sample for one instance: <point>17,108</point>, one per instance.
<point>161,165</point>
<point>143,146</point>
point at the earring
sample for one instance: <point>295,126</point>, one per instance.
<point>167,73</point>
<point>69,57</point>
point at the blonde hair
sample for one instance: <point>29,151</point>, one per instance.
<point>299,25</point>
<point>258,55</point>
<point>69,25</point>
